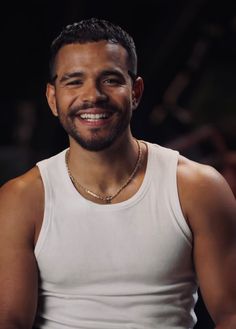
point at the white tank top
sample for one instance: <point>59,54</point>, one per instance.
<point>116,266</point>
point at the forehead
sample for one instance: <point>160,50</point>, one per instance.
<point>91,55</point>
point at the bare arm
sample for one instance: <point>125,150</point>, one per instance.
<point>19,209</point>
<point>210,208</point>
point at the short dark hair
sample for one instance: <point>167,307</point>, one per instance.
<point>92,30</point>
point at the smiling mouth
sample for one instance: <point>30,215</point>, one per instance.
<point>94,117</point>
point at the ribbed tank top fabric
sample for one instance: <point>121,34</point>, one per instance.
<point>115,266</point>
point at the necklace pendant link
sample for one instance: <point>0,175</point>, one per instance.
<point>108,199</point>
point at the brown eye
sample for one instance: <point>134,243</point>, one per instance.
<point>112,81</point>
<point>74,83</point>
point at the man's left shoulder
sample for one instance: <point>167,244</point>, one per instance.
<point>202,189</point>
<point>200,175</point>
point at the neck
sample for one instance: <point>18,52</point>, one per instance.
<point>103,171</point>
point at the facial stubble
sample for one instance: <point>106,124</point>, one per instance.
<point>96,142</point>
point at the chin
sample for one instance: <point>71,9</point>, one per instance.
<point>95,145</point>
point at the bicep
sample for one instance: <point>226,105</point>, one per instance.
<point>18,268</point>
<point>215,259</point>
<point>214,228</point>
<point>18,286</point>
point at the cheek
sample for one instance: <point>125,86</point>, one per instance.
<point>66,99</point>
<point>123,99</point>
<point>127,103</point>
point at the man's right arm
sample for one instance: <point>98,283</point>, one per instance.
<point>20,209</point>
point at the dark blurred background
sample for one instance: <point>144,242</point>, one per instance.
<point>186,52</point>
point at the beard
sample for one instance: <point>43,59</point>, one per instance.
<point>97,141</point>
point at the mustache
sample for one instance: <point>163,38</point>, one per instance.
<point>89,105</point>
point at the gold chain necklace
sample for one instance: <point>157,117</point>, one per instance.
<point>108,198</point>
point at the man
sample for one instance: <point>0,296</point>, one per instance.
<point>112,232</point>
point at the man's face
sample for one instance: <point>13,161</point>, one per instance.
<point>93,93</point>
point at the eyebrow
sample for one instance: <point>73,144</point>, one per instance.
<point>111,72</point>
<point>132,75</point>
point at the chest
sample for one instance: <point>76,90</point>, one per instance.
<point>137,245</point>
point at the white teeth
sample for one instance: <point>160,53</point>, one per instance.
<point>91,116</point>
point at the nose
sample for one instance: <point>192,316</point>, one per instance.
<point>92,93</point>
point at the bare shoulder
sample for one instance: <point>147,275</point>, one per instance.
<point>21,202</point>
<point>192,172</point>
<point>23,189</point>
<point>203,191</point>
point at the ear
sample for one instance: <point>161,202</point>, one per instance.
<point>137,92</point>
<point>50,94</point>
